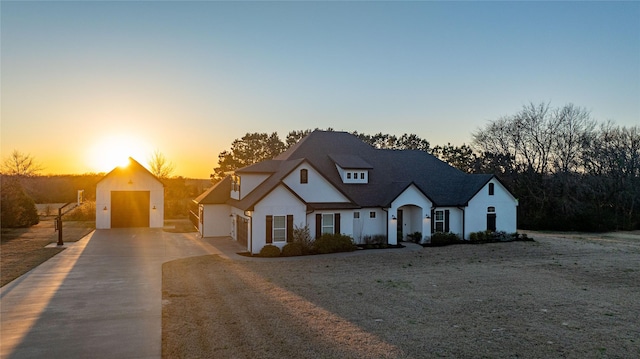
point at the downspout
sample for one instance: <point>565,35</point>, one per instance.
<point>463,220</point>
<point>387,221</point>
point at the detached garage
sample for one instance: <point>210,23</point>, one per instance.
<point>129,196</point>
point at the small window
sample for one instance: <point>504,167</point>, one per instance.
<point>348,175</point>
<point>372,214</point>
<point>361,175</point>
<point>327,223</point>
<point>491,189</point>
<point>491,209</point>
<point>439,221</point>
<point>279,228</point>
<point>355,175</point>
<point>356,215</point>
<point>304,176</point>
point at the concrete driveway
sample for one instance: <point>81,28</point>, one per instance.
<point>99,298</point>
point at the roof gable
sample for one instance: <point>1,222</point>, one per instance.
<point>130,169</point>
<point>217,194</point>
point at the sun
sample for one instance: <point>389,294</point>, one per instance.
<point>114,151</point>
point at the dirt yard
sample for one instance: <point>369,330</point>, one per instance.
<point>562,296</point>
<point>22,249</point>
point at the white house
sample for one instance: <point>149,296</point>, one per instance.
<point>334,182</point>
<point>129,196</point>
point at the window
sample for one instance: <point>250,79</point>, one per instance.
<point>491,209</point>
<point>355,175</point>
<point>279,228</point>
<point>372,214</point>
<point>304,176</point>
<point>491,189</point>
<point>348,175</point>
<point>327,223</point>
<point>361,175</point>
<point>356,215</point>
<point>439,221</point>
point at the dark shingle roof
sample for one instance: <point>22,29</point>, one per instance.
<point>218,194</point>
<point>390,172</point>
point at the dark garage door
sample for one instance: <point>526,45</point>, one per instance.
<point>130,209</point>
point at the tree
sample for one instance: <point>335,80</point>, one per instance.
<point>462,157</point>
<point>160,166</point>
<point>20,164</point>
<point>250,149</point>
<point>17,208</point>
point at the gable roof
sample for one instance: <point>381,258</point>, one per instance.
<point>390,172</point>
<point>217,194</point>
<point>131,167</point>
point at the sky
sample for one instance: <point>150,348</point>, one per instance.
<point>85,84</point>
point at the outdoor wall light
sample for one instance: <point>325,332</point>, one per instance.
<point>130,181</point>
<point>393,217</point>
<point>105,208</point>
<point>427,216</point>
<point>154,208</point>
<point>247,213</point>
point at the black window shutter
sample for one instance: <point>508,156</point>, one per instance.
<point>433,219</point>
<point>446,220</point>
<point>269,222</point>
<point>336,223</point>
<point>318,225</point>
<point>289,228</point>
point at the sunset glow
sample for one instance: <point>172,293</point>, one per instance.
<point>85,85</point>
<point>114,151</point>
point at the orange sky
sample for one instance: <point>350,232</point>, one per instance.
<point>88,84</point>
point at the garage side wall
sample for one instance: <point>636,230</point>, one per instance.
<point>136,181</point>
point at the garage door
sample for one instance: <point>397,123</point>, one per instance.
<point>242,226</point>
<point>130,209</point>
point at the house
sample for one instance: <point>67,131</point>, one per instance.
<point>129,196</point>
<point>333,182</point>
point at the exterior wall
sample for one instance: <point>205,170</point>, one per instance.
<point>215,220</point>
<point>280,202</point>
<point>317,189</point>
<point>414,216</point>
<point>455,220</point>
<point>249,182</point>
<point>504,203</point>
<point>354,179</point>
<point>136,181</point>
<point>356,228</point>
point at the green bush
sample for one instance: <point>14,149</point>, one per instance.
<point>415,237</point>
<point>443,239</point>
<point>18,210</point>
<point>270,251</point>
<point>302,235</point>
<point>293,249</point>
<point>332,243</point>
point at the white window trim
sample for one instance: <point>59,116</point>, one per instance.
<point>282,229</point>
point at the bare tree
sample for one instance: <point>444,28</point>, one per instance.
<point>160,166</point>
<point>20,164</point>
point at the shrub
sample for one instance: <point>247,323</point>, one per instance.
<point>270,251</point>
<point>375,239</point>
<point>18,209</point>
<point>86,212</point>
<point>292,249</point>
<point>302,235</point>
<point>443,239</point>
<point>415,237</point>
<point>332,243</point>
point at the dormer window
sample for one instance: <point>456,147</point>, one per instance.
<point>348,175</point>
<point>304,176</point>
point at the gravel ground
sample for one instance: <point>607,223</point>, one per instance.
<point>562,296</point>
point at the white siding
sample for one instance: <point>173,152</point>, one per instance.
<point>131,181</point>
<point>414,217</point>
<point>279,202</point>
<point>215,221</point>
<point>505,205</point>
<point>317,189</point>
<point>249,182</point>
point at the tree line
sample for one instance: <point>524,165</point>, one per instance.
<point>568,171</point>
